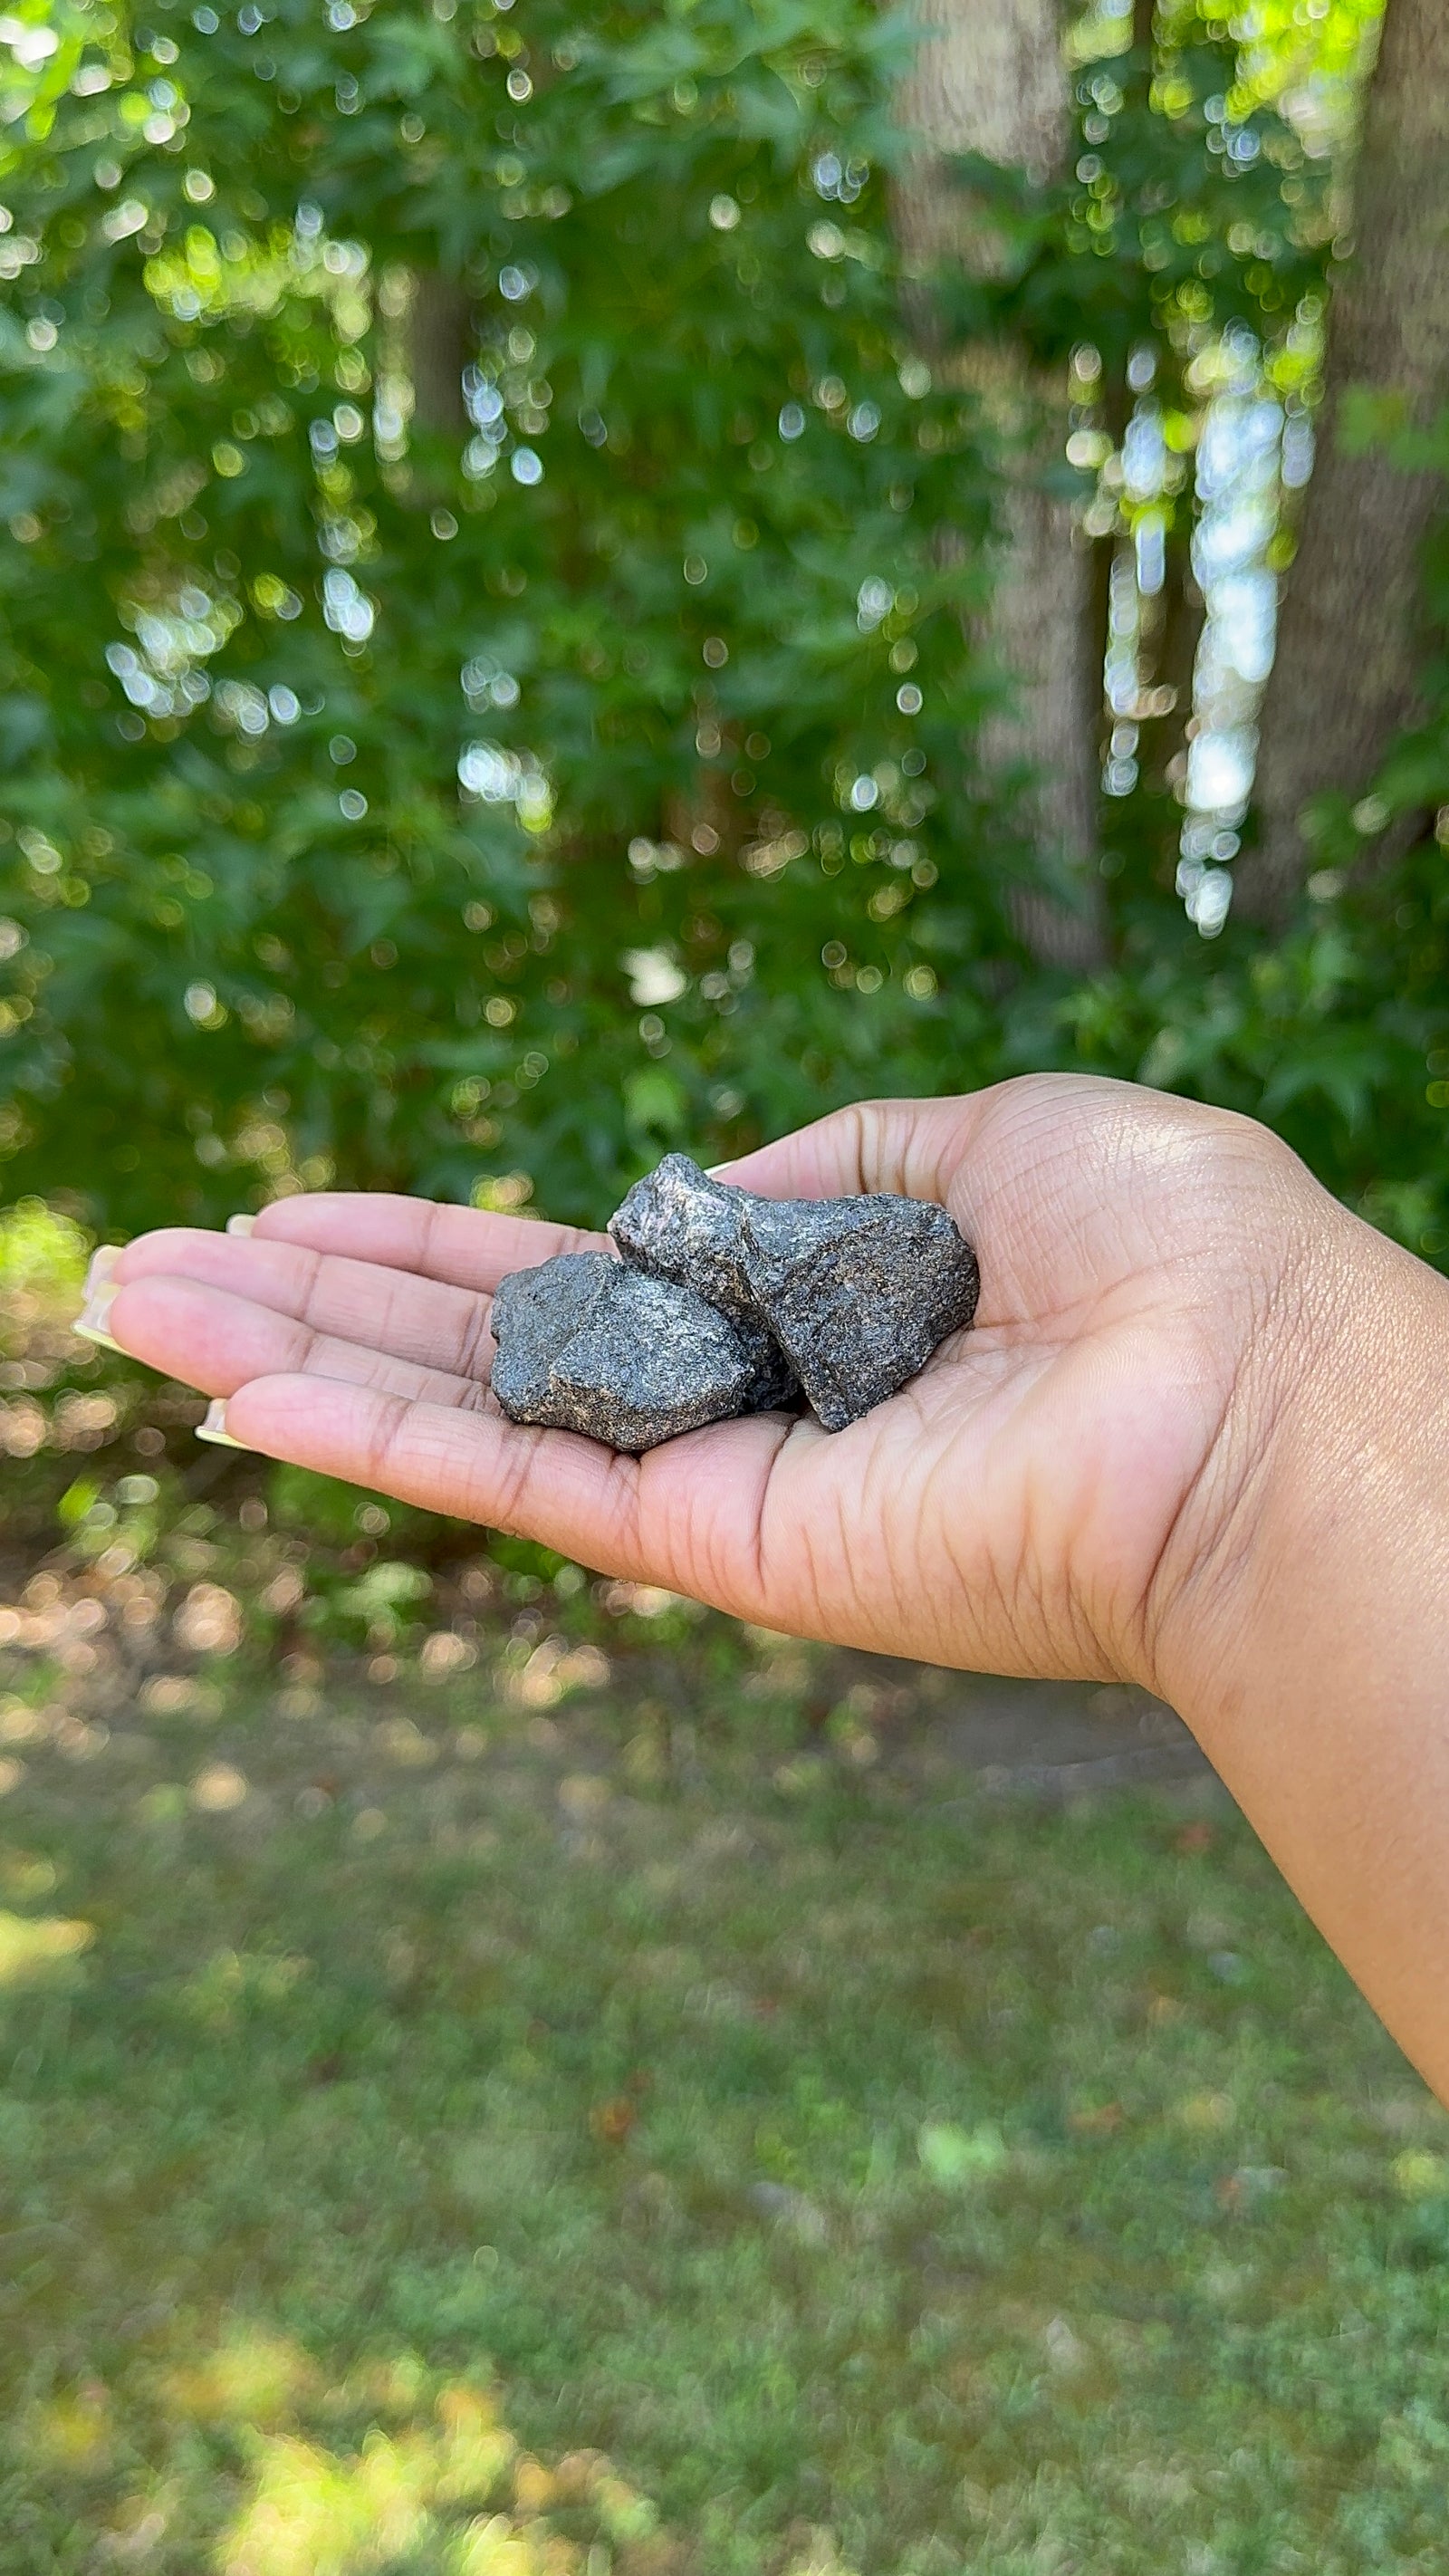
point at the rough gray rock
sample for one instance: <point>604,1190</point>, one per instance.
<point>725,1303</point>
<point>774,1387</point>
<point>857,1292</point>
<point>610,1352</point>
<point>679,1224</point>
<point>534,1313</point>
<point>652,1360</point>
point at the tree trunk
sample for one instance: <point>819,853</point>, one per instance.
<point>989,77</point>
<point>1343,682</point>
<point>439,347</point>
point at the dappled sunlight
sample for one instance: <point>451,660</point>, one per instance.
<point>37,1946</point>
<point>314,2515</point>
<point>424,2467</point>
<point>254,2378</point>
<point>676,2113</point>
<point>73,2432</point>
<point>390,2464</point>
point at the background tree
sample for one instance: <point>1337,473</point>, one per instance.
<point>496,546</point>
<point>1351,640</point>
<point>375,767</point>
<point>989,82</point>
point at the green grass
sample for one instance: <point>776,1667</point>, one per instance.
<point>871,2171</point>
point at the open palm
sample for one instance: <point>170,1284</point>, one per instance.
<point>1011,1510</point>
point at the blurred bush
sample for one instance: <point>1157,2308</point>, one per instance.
<point>487,689</point>
<point>491,591</point>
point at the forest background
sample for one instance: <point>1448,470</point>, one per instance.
<point>580,581</point>
<point>576,580</point>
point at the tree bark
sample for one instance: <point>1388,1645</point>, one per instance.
<point>1343,681</point>
<point>439,347</point>
<point>988,77</point>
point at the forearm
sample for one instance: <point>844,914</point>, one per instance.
<point>1309,1646</point>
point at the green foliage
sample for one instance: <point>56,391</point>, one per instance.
<point>1180,217</point>
<point>319,1508</point>
<point>371,813</point>
<point>1337,1034</point>
<point>267,605</point>
<point>42,1263</point>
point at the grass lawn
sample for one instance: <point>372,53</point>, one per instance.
<point>439,2134</point>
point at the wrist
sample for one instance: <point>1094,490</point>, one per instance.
<point>1333,1444</point>
<point>1307,1641</point>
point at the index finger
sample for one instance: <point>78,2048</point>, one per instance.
<point>466,1247</point>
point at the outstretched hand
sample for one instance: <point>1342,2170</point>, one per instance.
<point>1031,1503</point>
<point>1196,1439</point>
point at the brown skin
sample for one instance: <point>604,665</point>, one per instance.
<point>1198,1438</point>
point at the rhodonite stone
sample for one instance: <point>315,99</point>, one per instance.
<point>724,1304</point>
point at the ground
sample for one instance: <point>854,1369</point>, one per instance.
<point>415,2090</point>
<point>508,2075</point>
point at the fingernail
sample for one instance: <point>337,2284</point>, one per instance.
<point>240,1224</point>
<point>214,1427</point>
<point>95,1314</point>
<point>102,1262</point>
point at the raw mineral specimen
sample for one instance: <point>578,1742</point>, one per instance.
<point>651,1360</point>
<point>585,1344</point>
<point>680,1224</point>
<point>724,1304</point>
<point>857,1292</point>
<point>774,1387</point>
<point>534,1313</point>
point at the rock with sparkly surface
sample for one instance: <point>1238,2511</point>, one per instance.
<point>534,1313</point>
<point>615,1354</point>
<point>679,1224</point>
<point>857,1292</point>
<point>725,1304</point>
<point>650,1361</point>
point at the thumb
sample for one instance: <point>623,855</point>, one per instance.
<point>914,1147</point>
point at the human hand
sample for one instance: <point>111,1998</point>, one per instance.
<point>1033,1502</point>
<point>1197,1439</point>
